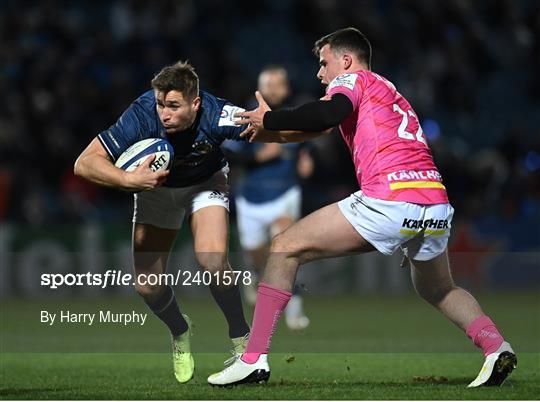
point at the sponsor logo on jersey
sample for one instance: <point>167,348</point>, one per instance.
<point>344,80</point>
<point>226,117</point>
<point>414,175</point>
<point>415,179</point>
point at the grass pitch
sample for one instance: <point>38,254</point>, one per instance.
<point>356,348</point>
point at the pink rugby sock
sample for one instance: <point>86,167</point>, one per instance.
<point>271,302</point>
<point>484,334</point>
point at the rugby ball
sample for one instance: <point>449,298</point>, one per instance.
<point>136,154</point>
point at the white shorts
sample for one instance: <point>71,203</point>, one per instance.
<point>421,231</point>
<point>254,220</point>
<point>165,207</point>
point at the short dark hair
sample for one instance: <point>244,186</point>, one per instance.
<point>271,68</point>
<point>181,77</point>
<point>350,39</point>
<point>275,68</point>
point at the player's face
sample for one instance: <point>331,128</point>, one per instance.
<point>175,112</point>
<point>331,64</point>
<point>274,87</point>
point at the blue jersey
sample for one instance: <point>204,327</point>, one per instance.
<point>267,181</point>
<point>197,152</point>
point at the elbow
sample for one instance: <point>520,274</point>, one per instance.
<point>77,167</point>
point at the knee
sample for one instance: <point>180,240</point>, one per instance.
<point>144,257</point>
<point>436,293</point>
<point>217,264</point>
<point>284,246</point>
<point>282,243</point>
<point>148,292</point>
<point>140,239</point>
<point>213,262</point>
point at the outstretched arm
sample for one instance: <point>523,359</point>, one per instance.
<point>319,115</point>
<point>292,125</point>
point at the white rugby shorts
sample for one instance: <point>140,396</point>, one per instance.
<point>165,207</point>
<point>421,231</point>
<point>255,220</point>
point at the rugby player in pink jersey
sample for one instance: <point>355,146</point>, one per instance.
<point>402,204</point>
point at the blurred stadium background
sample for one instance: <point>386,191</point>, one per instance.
<point>69,68</point>
<point>469,68</point>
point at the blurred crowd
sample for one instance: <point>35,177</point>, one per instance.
<point>69,69</point>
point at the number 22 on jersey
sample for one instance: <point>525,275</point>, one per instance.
<point>402,129</point>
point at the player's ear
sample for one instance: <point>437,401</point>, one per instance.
<point>196,103</point>
<point>347,61</point>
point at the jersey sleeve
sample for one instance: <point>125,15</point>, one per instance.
<point>226,128</point>
<point>130,128</point>
<point>346,84</point>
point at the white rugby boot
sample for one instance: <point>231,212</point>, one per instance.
<point>241,372</point>
<point>497,367</point>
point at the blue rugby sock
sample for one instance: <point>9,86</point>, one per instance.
<point>166,308</point>
<point>230,302</point>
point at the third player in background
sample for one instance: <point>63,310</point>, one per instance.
<point>269,198</point>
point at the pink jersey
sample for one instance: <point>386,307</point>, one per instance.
<point>389,150</point>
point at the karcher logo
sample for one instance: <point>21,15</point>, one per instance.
<point>414,175</point>
<point>425,224</point>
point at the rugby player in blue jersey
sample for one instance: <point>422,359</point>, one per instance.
<point>269,196</point>
<point>195,123</point>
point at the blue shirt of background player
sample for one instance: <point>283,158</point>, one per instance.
<point>266,181</point>
<point>197,152</point>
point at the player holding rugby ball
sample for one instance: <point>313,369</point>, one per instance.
<point>195,123</point>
